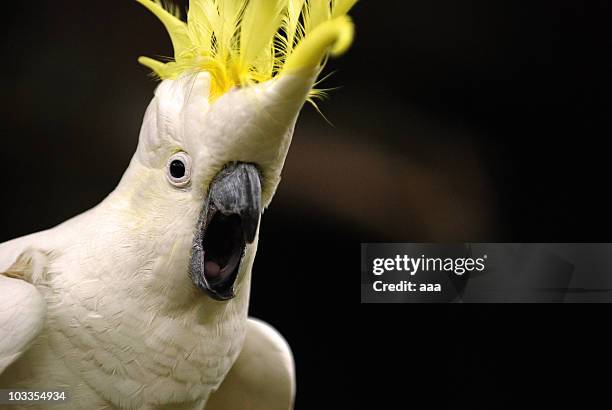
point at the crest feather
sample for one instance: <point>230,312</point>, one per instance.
<point>243,42</point>
<point>175,27</point>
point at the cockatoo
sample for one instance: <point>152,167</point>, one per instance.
<point>141,302</point>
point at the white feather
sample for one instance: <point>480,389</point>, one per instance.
<point>22,317</point>
<point>124,323</point>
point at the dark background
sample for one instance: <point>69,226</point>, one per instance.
<point>456,121</point>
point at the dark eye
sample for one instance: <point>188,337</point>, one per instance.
<point>179,169</point>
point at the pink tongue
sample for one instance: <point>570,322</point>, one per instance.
<point>212,269</point>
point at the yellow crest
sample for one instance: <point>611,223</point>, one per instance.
<point>243,42</point>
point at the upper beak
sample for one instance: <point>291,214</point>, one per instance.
<point>236,190</point>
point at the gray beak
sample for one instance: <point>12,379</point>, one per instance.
<point>228,222</point>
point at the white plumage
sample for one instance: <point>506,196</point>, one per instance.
<point>102,305</point>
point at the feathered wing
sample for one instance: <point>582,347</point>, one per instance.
<point>22,307</point>
<point>263,377</point>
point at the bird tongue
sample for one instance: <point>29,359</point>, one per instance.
<point>212,269</point>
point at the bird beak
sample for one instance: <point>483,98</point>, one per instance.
<point>227,223</point>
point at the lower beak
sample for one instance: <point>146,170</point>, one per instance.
<point>227,223</point>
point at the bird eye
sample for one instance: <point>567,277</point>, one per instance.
<point>179,169</point>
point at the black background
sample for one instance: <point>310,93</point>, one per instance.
<point>455,121</point>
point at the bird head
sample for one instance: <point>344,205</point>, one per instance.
<point>215,136</point>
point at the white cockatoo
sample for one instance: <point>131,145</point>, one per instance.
<point>141,302</point>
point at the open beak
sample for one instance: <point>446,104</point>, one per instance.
<point>227,223</point>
